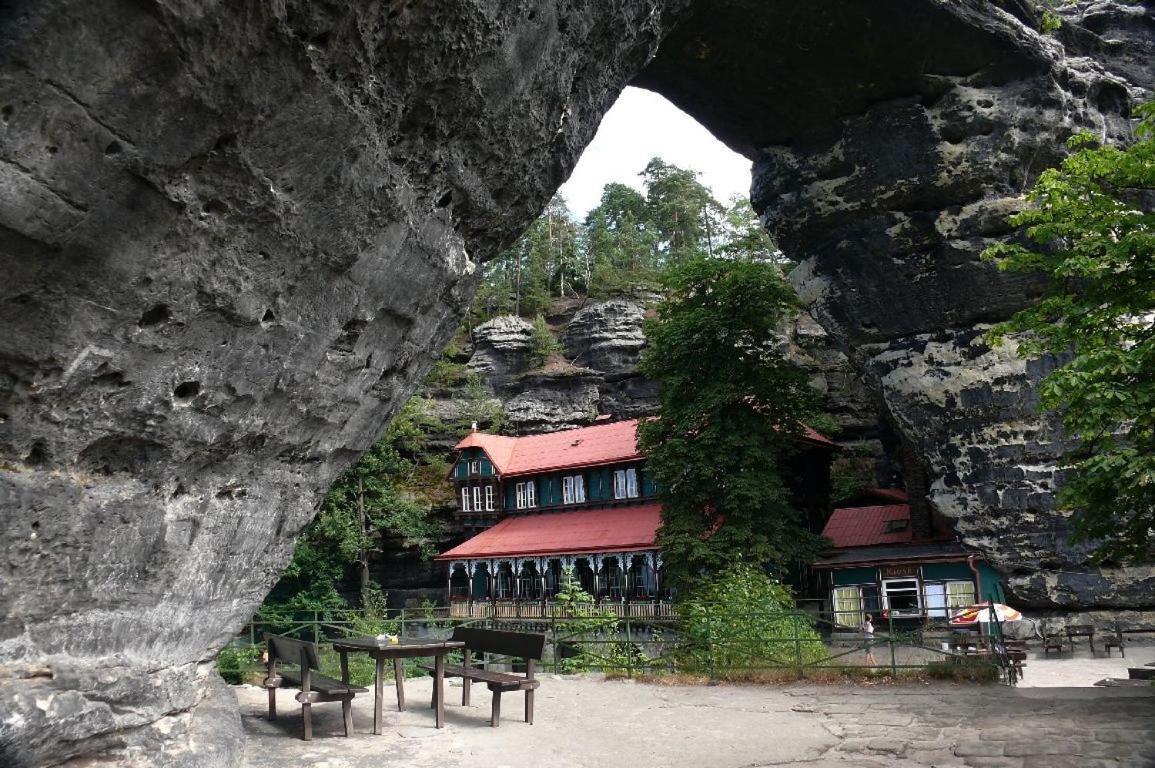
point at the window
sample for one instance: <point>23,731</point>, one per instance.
<point>475,467</point>
<point>626,483</point>
<point>525,495</point>
<point>489,498</point>
<point>901,597</point>
<point>573,489</point>
<point>477,497</point>
<point>464,499</point>
<point>960,594</point>
<point>848,606</point>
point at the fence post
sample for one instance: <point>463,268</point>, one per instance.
<point>798,647</point>
<point>890,641</point>
<point>709,640</point>
<point>629,649</point>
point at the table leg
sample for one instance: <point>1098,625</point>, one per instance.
<point>378,693</point>
<point>439,687</point>
<point>399,681</point>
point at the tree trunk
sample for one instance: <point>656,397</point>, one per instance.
<point>362,554</point>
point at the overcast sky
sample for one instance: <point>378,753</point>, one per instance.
<point>641,125</point>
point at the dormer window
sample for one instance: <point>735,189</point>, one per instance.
<point>573,489</point>
<point>475,467</point>
<point>626,483</point>
<point>525,495</point>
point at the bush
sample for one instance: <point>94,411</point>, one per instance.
<point>235,661</point>
<point>963,671</point>
<point>742,620</point>
<point>542,344</point>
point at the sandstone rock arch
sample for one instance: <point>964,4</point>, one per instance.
<point>233,234</point>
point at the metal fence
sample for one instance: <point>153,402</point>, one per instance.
<point>712,642</point>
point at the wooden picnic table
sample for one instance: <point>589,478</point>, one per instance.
<point>381,650</point>
<point>1081,630</point>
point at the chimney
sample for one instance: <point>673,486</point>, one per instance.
<point>473,427</point>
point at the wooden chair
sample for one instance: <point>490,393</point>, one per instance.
<point>1053,643</point>
<point>515,645</point>
<point>1114,639</point>
<point>315,687</point>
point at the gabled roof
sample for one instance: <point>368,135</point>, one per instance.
<point>569,448</point>
<point>572,448</point>
<point>868,526</point>
<point>943,551</point>
<point>613,529</point>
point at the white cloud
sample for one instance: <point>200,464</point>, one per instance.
<point>642,125</point>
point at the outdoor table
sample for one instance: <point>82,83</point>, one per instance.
<point>405,649</point>
<point>1081,630</point>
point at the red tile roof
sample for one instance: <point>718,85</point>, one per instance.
<point>583,447</point>
<point>613,529</point>
<point>867,526</point>
<point>570,448</point>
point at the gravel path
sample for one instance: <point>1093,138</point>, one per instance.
<point>586,722</point>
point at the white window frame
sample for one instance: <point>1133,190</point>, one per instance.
<point>632,483</point>
<point>849,612</point>
<point>567,490</point>
<point>477,497</point>
<point>916,590</point>
<point>579,489</point>
<point>964,591</point>
<point>465,499</point>
<point>525,495</point>
<point>619,483</point>
<point>489,498</point>
<point>475,466</point>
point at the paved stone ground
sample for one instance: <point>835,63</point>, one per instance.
<point>586,722</point>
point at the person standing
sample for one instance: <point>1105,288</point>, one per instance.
<point>868,640</point>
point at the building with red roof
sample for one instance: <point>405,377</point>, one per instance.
<point>880,564</point>
<point>578,498</point>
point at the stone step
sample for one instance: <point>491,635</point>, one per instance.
<point>1141,673</point>
<point>1119,682</point>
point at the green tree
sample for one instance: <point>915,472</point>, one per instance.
<point>745,237</point>
<point>683,211</point>
<point>621,241</point>
<point>730,407</point>
<point>542,343</point>
<point>1091,229</point>
<point>384,493</point>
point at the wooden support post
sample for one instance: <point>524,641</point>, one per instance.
<point>347,714</point>
<point>378,692</point>
<point>306,706</point>
<point>495,715</point>
<point>439,687</point>
<point>529,663</point>
<point>465,681</point>
<point>399,682</point>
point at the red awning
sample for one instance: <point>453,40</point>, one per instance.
<point>615,529</point>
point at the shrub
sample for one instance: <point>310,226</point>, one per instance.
<point>542,344</point>
<point>235,661</point>
<point>743,620</point>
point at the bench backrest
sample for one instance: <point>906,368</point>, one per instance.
<point>520,645</point>
<point>289,651</point>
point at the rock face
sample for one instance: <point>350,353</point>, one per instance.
<point>887,178</point>
<point>233,235</point>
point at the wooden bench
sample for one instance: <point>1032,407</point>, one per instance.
<point>315,687</point>
<point>1053,643</point>
<point>515,645</point>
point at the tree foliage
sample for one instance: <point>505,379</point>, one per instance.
<point>1091,229</point>
<point>388,492</point>
<point>731,404</point>
<point>625,243</point>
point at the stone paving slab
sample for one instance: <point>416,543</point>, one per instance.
<point>582,721</point>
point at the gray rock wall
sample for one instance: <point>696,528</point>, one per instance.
<point>888,149</point>
<point>233,234</point>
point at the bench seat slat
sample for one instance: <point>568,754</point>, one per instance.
<point>320,683</point>
<point>474,673</point>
